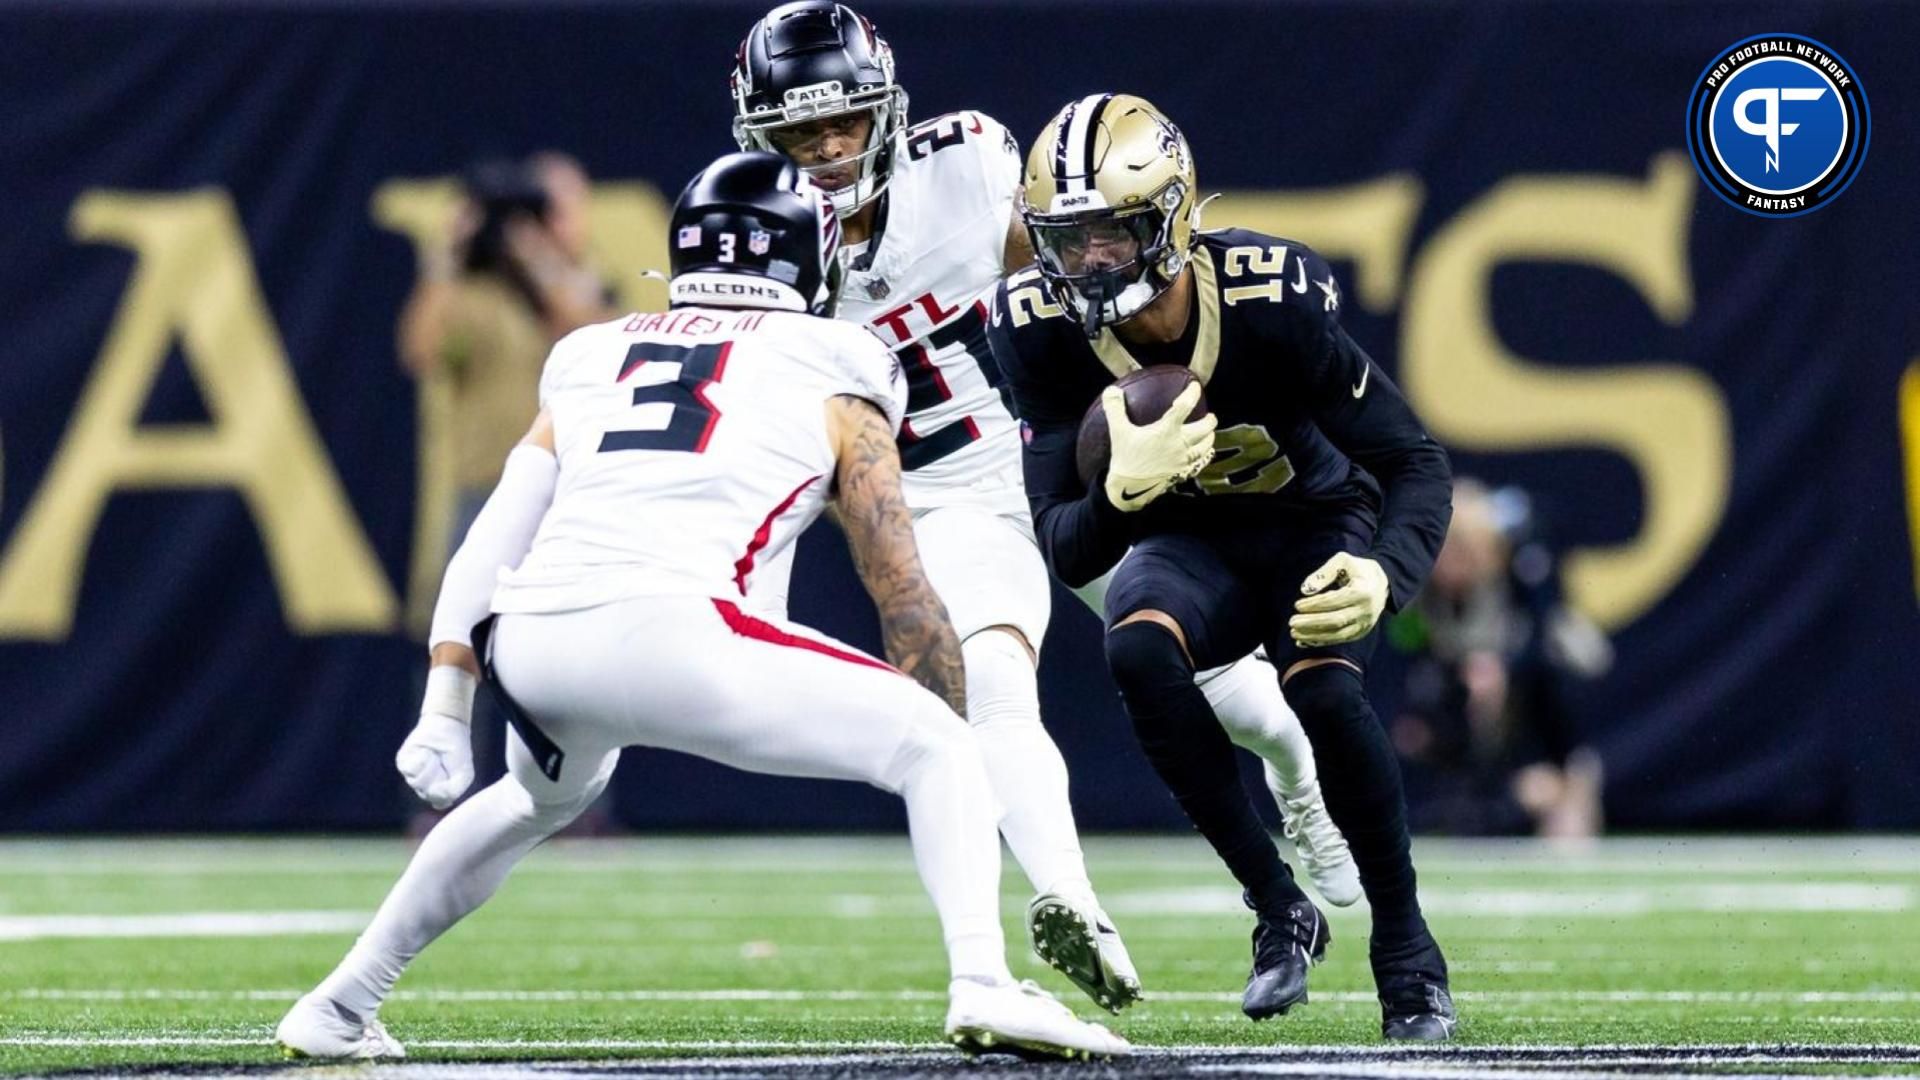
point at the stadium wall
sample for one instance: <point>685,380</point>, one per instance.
<point>218,489</point>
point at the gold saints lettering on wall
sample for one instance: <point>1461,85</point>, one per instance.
<point>1668,420</point>
<point>1910,444</point>
<point>194,283</point>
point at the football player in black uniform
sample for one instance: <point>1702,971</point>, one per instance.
<point>1318,504</point>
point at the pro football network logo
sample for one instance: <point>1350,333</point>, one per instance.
<point>1778,125</point>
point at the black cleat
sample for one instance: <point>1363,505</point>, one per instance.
<point>1283,950</point>
<point>1415,1005</point>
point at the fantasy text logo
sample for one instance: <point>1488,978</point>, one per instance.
<point>1778,125</point>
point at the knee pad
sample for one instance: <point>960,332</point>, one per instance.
<point>1146,660</point>
<point>1002,686</point>
<point>1328,694</point>
<point>556,810</point>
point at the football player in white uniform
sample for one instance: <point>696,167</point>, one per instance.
<point>930,228</point>
<point>672,453</point>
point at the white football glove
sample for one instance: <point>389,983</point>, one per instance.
<point>1150,458</point>
<point>1348,611</point>
<point>437,758</point>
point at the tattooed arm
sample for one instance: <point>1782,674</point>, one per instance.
<point>919,639</point>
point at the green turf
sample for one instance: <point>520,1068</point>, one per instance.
<point>1635,942</point>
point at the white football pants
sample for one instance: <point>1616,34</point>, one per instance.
<point>986,567</point>
<point>701,676</point>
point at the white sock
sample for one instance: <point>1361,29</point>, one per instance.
<point>459,865</point>
<point>937,771</point>
<point>1246,697</point>
<point>1029,778</point>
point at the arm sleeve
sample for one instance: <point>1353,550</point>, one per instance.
<point>1366,417</point>
<point>499,538</point>
<point>1081,534</point>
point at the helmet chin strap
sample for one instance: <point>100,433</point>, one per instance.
<point>1093,305</point>
<point>1103,304</point>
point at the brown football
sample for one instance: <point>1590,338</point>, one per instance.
<point>1150,393</point>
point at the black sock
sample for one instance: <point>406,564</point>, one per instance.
<point>1188,748</point>
<point>1360,779</point>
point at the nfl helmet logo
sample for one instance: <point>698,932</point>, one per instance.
<point>759,241</point>
<point>877,289</point>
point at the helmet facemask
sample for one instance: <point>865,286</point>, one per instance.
<point>1105,266</point>
<point>886,105</point>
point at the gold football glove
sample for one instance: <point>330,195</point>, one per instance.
<point>1150,458</point>
<point>1339,602</point>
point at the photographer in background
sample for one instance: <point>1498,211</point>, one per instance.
<point>511,279</point>
<point>1495,658</point>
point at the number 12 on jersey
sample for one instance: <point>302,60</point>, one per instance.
<point>693,419</point>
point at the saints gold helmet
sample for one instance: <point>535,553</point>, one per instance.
<point>1109,203</point>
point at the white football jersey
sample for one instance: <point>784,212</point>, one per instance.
<point>693,446</point>
<point>924,291</point>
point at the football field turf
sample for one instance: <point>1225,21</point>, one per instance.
<point>1780,957</point>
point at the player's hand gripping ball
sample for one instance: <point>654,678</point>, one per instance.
<point>1148,431</point>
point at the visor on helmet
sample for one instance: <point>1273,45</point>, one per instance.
<point>1103,265</point>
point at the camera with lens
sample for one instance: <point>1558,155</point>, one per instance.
<point>504,191</point>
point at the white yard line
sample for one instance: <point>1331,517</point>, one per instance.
<point>1447,1060</point>
<point>1577,901</point>
<point>1782,860</point>
<point>488,1044</point>
<point>192,924</point>
<point>1489,997</point>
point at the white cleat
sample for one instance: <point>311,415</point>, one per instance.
<point>1079,941</point>
<point>1323,851</point>
<point>1026,1021</point>
<point>318,1027</point>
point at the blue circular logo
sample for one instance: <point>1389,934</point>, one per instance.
<point>1778,125</point>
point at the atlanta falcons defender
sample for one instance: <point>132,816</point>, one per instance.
<point>930,227</point>
<point>671,452</point>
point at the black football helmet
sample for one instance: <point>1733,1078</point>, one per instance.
<point>751,230</point>
<point>813,59</point>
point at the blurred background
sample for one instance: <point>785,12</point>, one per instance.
<point>276,279</point>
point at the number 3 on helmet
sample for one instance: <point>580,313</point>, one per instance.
<point>751,230</point>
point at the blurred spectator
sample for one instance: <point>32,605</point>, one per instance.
<point>1485,729</point>
<point>511,280</point>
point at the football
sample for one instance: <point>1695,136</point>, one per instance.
<point>1150,392</point>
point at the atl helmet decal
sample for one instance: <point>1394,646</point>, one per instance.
<point>1778,125</point>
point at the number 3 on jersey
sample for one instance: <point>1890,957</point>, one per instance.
<point>693,418</point>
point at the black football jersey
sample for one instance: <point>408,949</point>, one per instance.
<point>1309,425</point>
